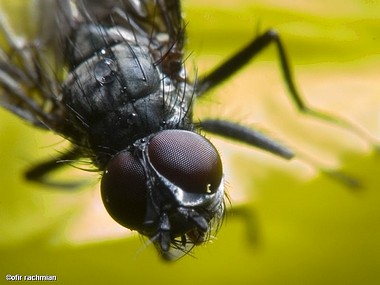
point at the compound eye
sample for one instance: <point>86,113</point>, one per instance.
<point>123,190</point>
<point>187,159</point>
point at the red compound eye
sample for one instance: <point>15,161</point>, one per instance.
<point>123,190</point>
<point>186,159</point>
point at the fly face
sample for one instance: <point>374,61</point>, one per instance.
<point>167,186</point>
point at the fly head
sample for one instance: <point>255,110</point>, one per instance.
<point>168,187</point>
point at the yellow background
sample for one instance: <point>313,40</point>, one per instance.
<point>307,228</point>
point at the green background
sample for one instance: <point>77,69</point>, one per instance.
<point>304,228</point>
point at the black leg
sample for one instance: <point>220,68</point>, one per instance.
<point>241,58</point>
<point>254,138</point>
<point>246,135</point>
<point>40,172</point>
<point>248,216</point>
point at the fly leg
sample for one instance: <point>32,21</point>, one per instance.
<point>242,57</point>
<point>254,138</point>
<point>248,216</point>
<point>40,172</point>
<point>257,139</point>
<point>246,135</point>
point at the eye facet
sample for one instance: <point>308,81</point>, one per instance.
<point>187,159</point>
<point>123,190</point>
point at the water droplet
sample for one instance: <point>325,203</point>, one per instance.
<point>105,70</point>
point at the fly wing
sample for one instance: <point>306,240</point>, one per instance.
<point>157,20</point>
<point>31,75</point>
<point>156,24</point>
<point>36,57</point>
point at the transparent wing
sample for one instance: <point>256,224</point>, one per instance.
<point>157,24</point>
<point>155,18</point>
<point>37,48</point>
<point>31,72</point>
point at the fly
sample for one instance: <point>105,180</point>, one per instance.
<point>109,77</point>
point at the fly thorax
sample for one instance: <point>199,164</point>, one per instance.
<point>110,95</point>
